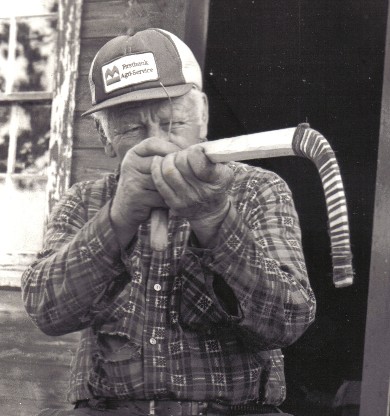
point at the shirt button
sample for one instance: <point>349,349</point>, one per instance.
<point>157,287</point>
<point>153,341</point>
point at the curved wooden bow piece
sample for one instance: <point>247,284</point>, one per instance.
<point>301,141</point>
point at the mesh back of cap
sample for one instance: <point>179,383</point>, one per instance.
<point>190,67</point>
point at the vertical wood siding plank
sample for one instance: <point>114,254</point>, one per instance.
<point>61,138</point>
<point>375,394</point>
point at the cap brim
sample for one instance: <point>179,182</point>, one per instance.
<point>141,95</point>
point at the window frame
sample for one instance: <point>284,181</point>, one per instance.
<point>14,98</point>
<point>62,98</point>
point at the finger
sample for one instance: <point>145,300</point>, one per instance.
<point>192,182</point>
<point>169,195</point>
<point>132,163</point>
<point>171,175</point>
<point>155,146</point>
<point>146,182</point>
<point>202,167</point>
<point>153,199</point>
<point>182,164</point>
<point>129,178</point>
<point>140,156</point>
<point>142,198</point>
<point>191,137</point>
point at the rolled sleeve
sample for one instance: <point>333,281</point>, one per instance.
<point>80,261</point>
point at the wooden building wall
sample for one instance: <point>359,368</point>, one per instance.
<point>101,21</point>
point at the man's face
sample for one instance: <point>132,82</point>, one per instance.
<point>126,126</point>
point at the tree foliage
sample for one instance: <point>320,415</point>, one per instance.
<point>32,72</point>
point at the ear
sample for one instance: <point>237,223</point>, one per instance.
<point>204,117</point>
<point>108,148</point>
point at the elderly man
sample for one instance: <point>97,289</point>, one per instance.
<point>197,328</point>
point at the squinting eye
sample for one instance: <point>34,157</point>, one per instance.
<point>133,129</point>
<point>176,124</point>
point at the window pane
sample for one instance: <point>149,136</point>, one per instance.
<point>5,112</point>
<point>33,138</point>
<point>4,33</point>
<point>27,57</point>
<point>35,53</point>
<point>30,123</point>
<point>27,45</point>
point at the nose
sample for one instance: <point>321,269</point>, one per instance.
<point>154,129</point>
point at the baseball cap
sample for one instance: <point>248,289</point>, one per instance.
<point>151,64</point>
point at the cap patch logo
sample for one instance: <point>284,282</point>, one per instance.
<point>129,70</point>
<point>112,75</point>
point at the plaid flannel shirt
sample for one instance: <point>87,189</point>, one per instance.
<point>187,323</point>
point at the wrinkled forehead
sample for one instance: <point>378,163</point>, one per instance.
<point>184,105</point>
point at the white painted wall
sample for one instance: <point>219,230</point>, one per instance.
<point>22,213</point>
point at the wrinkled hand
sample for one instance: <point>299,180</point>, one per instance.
<point>136,194</point>
<point>191,185</point>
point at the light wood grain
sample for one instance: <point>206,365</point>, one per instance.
<point>251,146</point>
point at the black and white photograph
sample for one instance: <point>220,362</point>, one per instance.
<point>194,207</point>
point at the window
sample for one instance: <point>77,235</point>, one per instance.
<point>27,55</point>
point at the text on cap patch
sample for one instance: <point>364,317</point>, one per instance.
<point>129,70</point>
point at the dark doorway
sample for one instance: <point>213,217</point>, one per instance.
<point>274,64</point>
